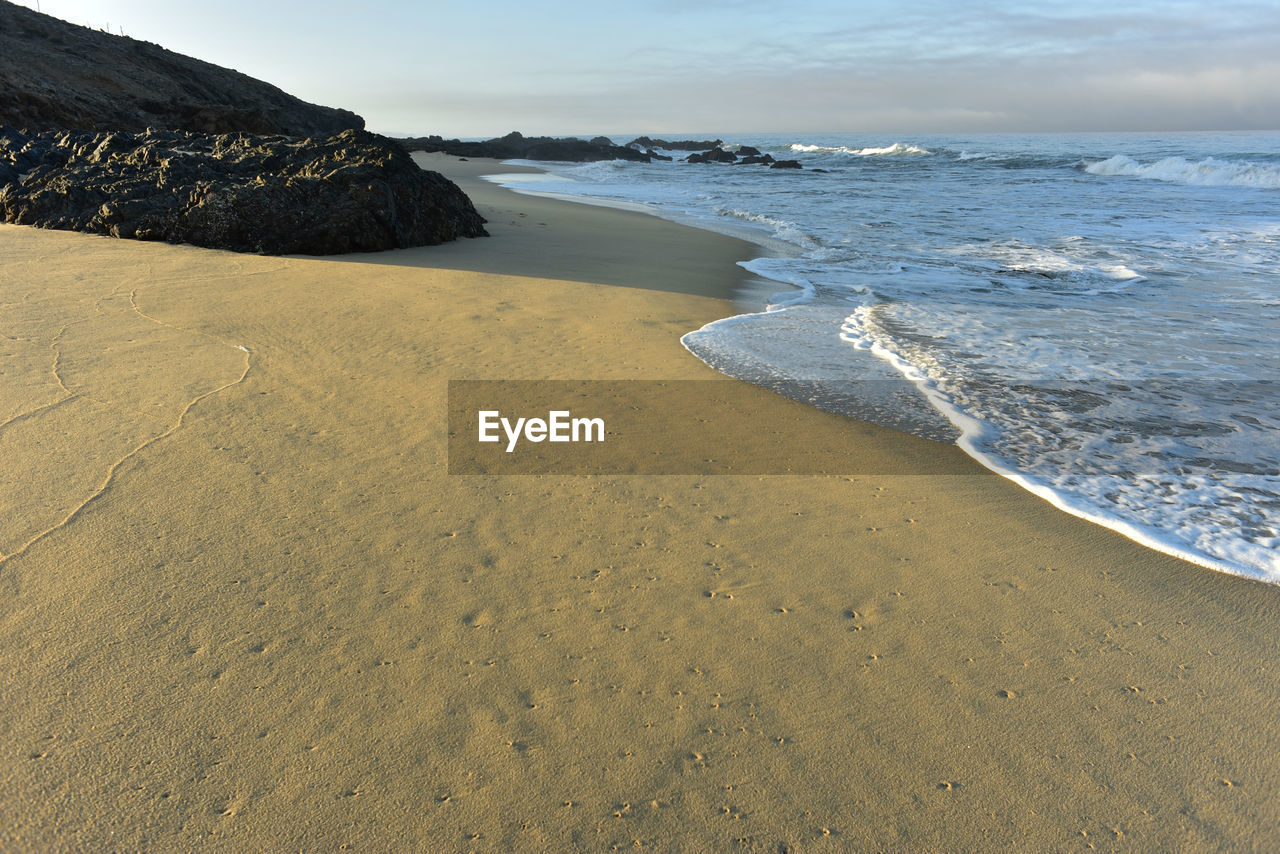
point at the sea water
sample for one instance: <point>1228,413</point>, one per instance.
<point>1094,316</point>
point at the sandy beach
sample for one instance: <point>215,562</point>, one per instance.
<point>245,606</point>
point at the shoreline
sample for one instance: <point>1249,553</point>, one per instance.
<point>284,625</point>
<point>755,299</point>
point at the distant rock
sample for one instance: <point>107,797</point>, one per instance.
<point>786,164</point>
<point>58,76</point>
<point>351,192</point>
<point>756,158</point>
<point>748,151</point>
<point>576,151</point>
<point>715,155</point>
<point>677,145</point>
<point>516,146</point>
<point>653,155</point>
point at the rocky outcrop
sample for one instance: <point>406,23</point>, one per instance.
<point>351,192</point>
<point>753,157</point>
<point>58,76</point>
<point>676,145</point>
<point>516,146</point>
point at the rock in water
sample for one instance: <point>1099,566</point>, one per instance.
<point>677,145</point>
<point>351,192</point>
<point>715,155</point>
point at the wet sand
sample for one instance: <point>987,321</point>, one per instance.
<point>243,605</point>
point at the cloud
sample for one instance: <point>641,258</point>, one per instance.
<point>743,65</point>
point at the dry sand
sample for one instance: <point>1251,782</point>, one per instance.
<point>243,605</point>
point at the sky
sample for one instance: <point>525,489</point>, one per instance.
<point>718,67</point>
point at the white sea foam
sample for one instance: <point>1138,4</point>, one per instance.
<point>1196,521</point>
<point>896,148</point>
<point>784,230</point>
<point>1209,172</point>
<point>1054,268</point>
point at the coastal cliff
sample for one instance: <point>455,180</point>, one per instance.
<point>58,76</point>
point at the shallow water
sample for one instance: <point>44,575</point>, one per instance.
<point>1090,315</point>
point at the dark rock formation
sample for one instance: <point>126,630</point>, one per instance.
<point>653,155</point>
<point>352,192</point>
<point>57,76</point>
<point>756,158</point>
<point>715,155</point>
<point>786,164</point>
<point>516,146</point>
<point>748,151</point>
<point>677,145</point>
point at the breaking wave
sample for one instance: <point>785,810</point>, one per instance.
<point>896,148</point>
<point>1210,172</point>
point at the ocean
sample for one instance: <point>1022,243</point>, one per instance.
<point>1093,316</point>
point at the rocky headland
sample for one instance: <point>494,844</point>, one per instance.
<point>109,135</point>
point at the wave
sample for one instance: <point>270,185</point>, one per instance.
<point>896,148</point>
<point>782,229</point>
<point>1193,517</point>
<point>1210,172</point>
